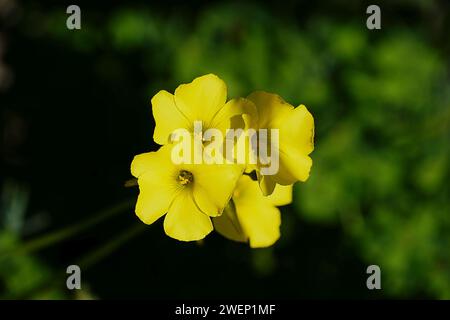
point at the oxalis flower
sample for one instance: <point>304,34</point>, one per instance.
<point>252,217</point>
<point>204,100</point>
<point>296,139</point>
<point>192,192</point>
<point>189,193</point>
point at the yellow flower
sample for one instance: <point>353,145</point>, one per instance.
<point>204,99</point>
<point>192,193</point>
<point>296,138</point>
<point>252,217</point>
<point>189,194</point>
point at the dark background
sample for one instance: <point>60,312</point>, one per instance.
<point>75,109</point>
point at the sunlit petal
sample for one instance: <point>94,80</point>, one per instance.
<point>201,99</point>
<point>184,221</point>
<point>168,117</point>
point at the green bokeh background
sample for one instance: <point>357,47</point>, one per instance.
<point>75,109</point>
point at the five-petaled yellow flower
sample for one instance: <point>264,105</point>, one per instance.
<point>189,193</point>
<point>204,99</point>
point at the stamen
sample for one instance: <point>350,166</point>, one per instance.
<point>185,177</point>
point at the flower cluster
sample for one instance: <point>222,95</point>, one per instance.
<point>238,199</point>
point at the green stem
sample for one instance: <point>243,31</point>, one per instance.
<point>59,280</point>
<point>104,250</point>
<point>65,233</point>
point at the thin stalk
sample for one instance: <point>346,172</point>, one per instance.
<point>104,250</point>
<point>59,280</point>
<point>67,232</point>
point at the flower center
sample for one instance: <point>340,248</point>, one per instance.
<point>185,177</point>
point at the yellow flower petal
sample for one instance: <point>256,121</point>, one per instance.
<point>154,162</point>
<point>234,115</point>
<point>168,117</point>
<point>297,130</point>
<point>269,106</point>
<point>157,187</point>
<point>259,219</point>
<point>281,196</point>
<point>228,224</point>
<point>294,166</point>
<point>296,135</point>
<point>154,199</point>
<point>241,114</point>
<point>296,142</point>
<point>214,185</point>
<point>202,98</point>
<point>184,221</point>
<point>266,231</point>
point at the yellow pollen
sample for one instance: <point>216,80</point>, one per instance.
<point>185,177</point>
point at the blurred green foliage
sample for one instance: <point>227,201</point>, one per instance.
<point>381,103</point>
<point>25,276</point>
